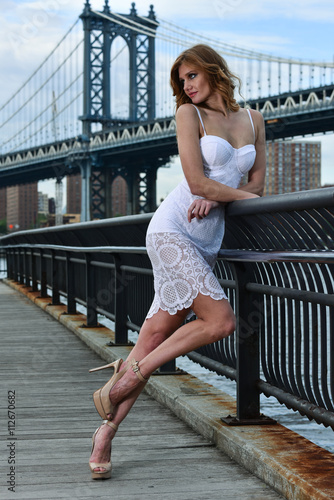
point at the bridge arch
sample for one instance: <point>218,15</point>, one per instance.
<point>101,29</point>
<point>119,78</point>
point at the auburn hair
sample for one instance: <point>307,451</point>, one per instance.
<point>221,79</point>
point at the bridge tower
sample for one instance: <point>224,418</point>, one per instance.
<point>100,29</point>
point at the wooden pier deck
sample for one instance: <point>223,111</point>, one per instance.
<point>47,419</point>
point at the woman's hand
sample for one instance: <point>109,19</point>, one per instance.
<point>200,208</point>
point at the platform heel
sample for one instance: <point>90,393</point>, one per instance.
<point>106,473</point>
<point>101,396</point>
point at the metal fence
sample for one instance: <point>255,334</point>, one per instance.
<point>276,265</point>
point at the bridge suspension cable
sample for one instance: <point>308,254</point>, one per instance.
<point>47,106</point>
<point>40,66</point>
<point>261,73</point>
<point>49,78</point>
<point>193,37</point>
<point>43,125</point>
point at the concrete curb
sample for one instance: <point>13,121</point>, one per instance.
<point>286,461</point>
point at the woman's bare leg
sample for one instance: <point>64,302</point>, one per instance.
<point>153,332</point>
<point>157,344</point>
<point>215,320</point>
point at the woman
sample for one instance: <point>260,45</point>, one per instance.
<point>218,143</point>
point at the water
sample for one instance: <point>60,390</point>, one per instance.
<point>3,266</point>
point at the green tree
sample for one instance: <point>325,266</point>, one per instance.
<point>3,226</point>
<point>41,220</point>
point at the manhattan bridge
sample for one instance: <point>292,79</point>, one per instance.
<point>100,104</point>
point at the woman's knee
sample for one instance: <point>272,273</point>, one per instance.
<point>153,337</point>
<point>221,327</point>
<point>162,325</point>
<point>157,338</point>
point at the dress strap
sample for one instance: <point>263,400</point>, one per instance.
<point>200,118</point>
<point>251,120</point>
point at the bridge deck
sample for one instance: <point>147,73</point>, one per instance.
<point>155,454</point>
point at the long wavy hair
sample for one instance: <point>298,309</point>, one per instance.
<point>221,79</point>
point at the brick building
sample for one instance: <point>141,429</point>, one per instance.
<point>292,166</point>
<point>22,206</point>
<point>119,197</point>
<point>73,194</point>
<point>3,203</point>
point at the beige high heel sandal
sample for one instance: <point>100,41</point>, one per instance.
<point>101,396</point>
<point>106,473</point>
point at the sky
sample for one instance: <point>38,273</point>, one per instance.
<point>302,29</point>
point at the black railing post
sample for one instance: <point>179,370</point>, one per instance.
<point>42,264</point>
<point>9,257</point>
<point>20,277</point>
<point>91,320</point>
<point>248,353</point>
<point>121,330</point>
<point>71,304</point>
<point>26,269</point>
<point>54,277</point>
<point>15,266</point>
<point>12,264</point>
<point>168,368</point>
<point>33,271</point>
<point>249,320</point>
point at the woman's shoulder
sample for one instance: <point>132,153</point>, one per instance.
<point>256,116</point>
<point>186,109</point>
<point>187,114</point>
<point>259,125</point>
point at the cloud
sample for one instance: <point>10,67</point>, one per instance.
<point>275,43</point>
<point>307,10</point>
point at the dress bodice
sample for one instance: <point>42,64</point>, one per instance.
<point>222,163</point>
<point>218,155</point>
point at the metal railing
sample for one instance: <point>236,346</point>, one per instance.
<point>276,265</point>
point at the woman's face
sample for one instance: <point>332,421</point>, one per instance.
<point>195,83</point>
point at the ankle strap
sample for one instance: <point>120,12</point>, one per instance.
<point>136,370</point>
<point>111,424</point>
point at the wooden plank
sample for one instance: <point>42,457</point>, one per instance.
<point>155,455</point>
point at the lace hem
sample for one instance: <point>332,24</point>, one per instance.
<point>156,305</point>
<point>180,273</point>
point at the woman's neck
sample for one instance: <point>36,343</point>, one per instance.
<point>216,103</point>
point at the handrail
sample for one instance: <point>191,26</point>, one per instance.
<point>323,257</point>
<point>63,248</point>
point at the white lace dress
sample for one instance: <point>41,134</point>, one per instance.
<point>184,253</point>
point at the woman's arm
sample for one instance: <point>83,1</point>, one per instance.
<point>190,155</point>
<point>256,175</point>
